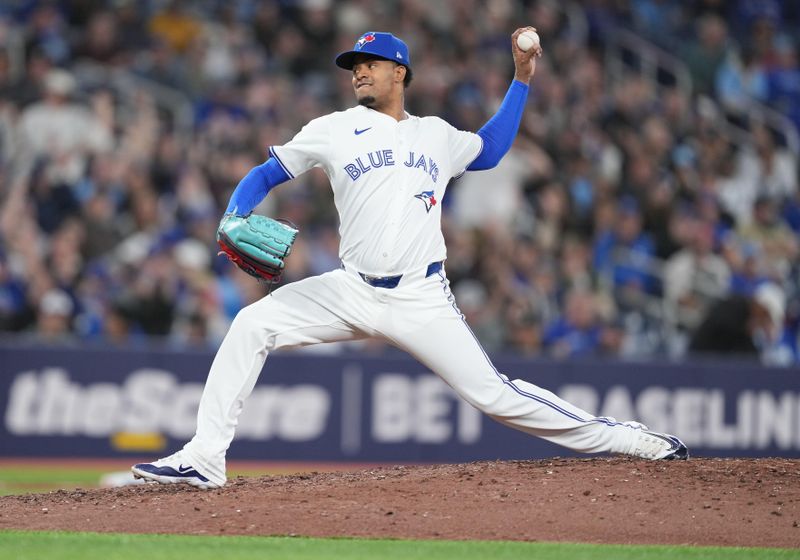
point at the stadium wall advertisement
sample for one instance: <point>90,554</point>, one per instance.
<point>356,408</point>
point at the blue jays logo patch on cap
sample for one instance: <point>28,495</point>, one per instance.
<point>365,38</point>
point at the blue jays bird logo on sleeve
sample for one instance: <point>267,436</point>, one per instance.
<point>428,198</point>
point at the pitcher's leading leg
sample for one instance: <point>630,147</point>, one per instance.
<point>306,312</point>
<point>448,347</point>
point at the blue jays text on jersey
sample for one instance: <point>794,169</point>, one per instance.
<point>380,158</point>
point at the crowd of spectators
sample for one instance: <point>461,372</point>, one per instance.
<point>622,215</point>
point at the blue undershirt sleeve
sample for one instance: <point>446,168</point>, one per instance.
<point>499,132</point>
<point>254,187</point>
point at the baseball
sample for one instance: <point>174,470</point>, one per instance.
<point>527,40</point>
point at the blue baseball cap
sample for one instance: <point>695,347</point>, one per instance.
<point>377,43</point>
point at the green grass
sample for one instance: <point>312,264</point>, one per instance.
<point>21,545</point>
<point>43,479</point>
<point>16,480</point>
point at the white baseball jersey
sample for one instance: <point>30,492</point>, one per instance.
<point>388,179</point>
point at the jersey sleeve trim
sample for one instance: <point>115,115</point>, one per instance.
<point>467,168</point>
<point>278,159</point>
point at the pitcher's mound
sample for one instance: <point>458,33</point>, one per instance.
<point>728,502</point>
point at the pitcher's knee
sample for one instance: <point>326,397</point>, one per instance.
<point>245,320</point>
<point>254,318</point>
<point>490,403</point>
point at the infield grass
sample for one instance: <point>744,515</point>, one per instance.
<point>43,479</point>
<point>21,545</point>
<point>33,478</point>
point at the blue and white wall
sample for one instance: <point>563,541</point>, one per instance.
<point>104,403</point>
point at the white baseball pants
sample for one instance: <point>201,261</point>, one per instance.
<point>418,316</point>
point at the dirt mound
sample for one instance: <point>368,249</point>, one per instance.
<point>731,502</point>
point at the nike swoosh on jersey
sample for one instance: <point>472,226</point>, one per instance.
<point>357,132</point>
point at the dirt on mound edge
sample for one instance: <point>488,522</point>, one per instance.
<point>727,502</point>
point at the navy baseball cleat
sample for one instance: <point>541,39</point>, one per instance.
<point>172,470</point>
<point>656,446</point>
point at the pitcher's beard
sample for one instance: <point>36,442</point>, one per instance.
<point>367,101</point>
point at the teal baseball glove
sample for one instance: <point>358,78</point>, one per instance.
<point>257,244</point>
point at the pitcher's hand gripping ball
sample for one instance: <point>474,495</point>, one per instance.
<point>528,40</point>
<point>257,244</point>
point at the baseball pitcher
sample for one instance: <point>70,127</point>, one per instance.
<point>388,171</point>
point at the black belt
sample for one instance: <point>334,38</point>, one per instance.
<point>392,281</point>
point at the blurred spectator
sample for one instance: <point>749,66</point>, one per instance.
<point>54,317</point>
<point>130,28</point>
<point>657,20</point>
<point>695,277</point>
<point>741,79</point>
<point>60,130</point>
<point>771,235</point>
<point>29,88</point>
<point>552,215</point>
<point>623,256</point>
<point>748,270</point>
<point>664,216</point>
<point>579,331</point>
<point>103,231</point>
<point>706,54</point>
<point>47,31</point>
<point>149,302</point>
<point>524,329</point>
<point>176,26</point>
<point>735,192</point>
<point>742,325</point>
<point>117,327</point>
<point>766,169</point>
<point>160,65</point>
<point>784,81</point>
<point>102,40</point>
<point>575,261</point>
